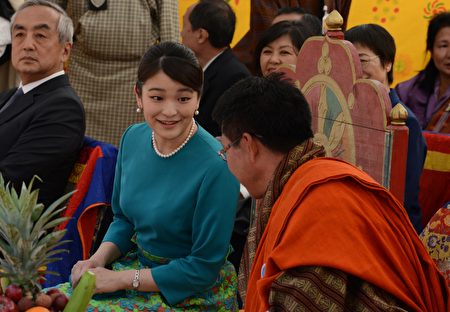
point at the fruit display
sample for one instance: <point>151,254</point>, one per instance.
<point>13,301</point>
<point>28,243</point>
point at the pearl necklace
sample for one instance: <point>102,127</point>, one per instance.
<point>191,132</point>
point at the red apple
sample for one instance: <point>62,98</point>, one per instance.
<point>44,300</point>
<point>14,292</point>
<point>60,302</point>
<point>7,305</point>
<point>25,303</point>
<point>53,293</point>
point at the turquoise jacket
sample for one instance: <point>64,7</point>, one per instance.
<point>181,208</point>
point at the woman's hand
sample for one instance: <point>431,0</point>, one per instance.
<point>107,281</point>
<point>106,253</point>
<point>79,268</point>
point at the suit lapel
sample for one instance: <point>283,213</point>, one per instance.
<point>16,107</point>
<point>5,96</point>
<point>28,99</point>
<point>210,72</point>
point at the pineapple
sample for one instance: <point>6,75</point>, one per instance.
<point>28,238</point>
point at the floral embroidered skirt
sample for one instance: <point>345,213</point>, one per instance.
<point>220,297</point>
<point>436,237</point>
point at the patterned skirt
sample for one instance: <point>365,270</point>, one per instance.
<point>436,238</point>
<point>220,297</point>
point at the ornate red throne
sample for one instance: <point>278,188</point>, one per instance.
<point>352,116</point>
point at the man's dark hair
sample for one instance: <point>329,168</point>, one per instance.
<point>378,40</point>
<point>270,108</point>
<point>313,23</point>
<point>217,18</point>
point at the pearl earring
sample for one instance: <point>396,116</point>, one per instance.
<point>138,110</point>
<point>196,112</point>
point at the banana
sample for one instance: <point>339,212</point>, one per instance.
<point>82,294</point>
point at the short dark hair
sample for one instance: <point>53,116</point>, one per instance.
<point>175,60</point>
<point>291,10</point>
<point>271,108</point>
<point>378,40</point>
<point>296,30</point>
<point>313,23</point>
<point>430,72</point>
<point>217,18</point>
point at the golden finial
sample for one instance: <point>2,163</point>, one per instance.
<point>398,115</point>
<point>334,21</point>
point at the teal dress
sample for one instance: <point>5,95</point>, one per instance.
<point>180,213</point>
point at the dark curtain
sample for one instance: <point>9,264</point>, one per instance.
<point>6,11</point>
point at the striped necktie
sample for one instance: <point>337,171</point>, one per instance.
<point>14,97</point>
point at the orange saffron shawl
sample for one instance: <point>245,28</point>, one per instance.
<point>331,214</point>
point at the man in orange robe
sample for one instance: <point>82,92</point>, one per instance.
<point>324,235</point>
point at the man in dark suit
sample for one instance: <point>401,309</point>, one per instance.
<point>208,29</point>
<point>42,122</point>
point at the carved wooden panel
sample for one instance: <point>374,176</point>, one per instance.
<point>350,114</point>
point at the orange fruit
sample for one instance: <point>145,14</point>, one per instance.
<point>38,309</point>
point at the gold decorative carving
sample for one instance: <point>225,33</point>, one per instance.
<point>341,126</point>
<point>337,133</point>
<point>351,100</point>
<point>398,115</point>
<point>288,66</point>
<point>334,21</point>
<point>324,64</point>
<point>322,139</point>
<point>322,108</point>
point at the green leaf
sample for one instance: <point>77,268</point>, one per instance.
<point>28,239</point>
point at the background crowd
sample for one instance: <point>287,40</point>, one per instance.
<point>215,145</point>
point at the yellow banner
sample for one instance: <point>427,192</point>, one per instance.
<point>407,21</point>
<point>437,161</point>
<point>241,9</point>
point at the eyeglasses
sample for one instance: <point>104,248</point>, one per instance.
<point>223,152</point>
<point>366,60</point>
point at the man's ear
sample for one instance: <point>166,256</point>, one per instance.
<point>202,35</point>
<point>251,146</point>
<point>67,47</point>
